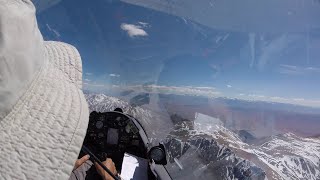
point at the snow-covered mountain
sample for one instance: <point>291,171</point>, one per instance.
<point>219,153</point>
<point>284,156</point>
<point>201,157</point>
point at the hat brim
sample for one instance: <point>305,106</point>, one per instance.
<point>42,136</point>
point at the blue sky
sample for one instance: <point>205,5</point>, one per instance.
<point>123,45</point>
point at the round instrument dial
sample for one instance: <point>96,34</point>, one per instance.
<point>157,154</point>
<point>99,124</point>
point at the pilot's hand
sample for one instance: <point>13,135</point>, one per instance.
<point>80,161</point>
<point>110,165</point>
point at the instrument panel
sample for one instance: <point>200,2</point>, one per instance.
<point>111,134</point>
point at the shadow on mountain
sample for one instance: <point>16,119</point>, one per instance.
<point>140,100</point>
<point>246,137</point>
<point>126,93</point>
<point>216,161</point>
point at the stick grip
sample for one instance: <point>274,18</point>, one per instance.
<point>87,151</point>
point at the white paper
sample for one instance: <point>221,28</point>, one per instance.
<point>134,168</point>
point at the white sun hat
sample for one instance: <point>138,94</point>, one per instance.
<point>43,112</point>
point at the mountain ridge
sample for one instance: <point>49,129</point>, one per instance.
<point>283,156</point>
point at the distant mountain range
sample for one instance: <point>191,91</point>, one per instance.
<point>221,153</point>
<point>260,119</point>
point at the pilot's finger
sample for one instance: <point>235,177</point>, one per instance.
<point>109,160</point>
<point>80,161</point>
<point>97,165</point>
<point>84,158</point>
<point>109,164</point>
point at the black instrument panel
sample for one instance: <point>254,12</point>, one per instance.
<point>111,134</point>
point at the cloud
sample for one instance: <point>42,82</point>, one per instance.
<point>209,92</point>
<point>133,30</point>
<point>144,24</point>
<point>88,74</point>
<point>93,85</point>
<point>277,99</point>
<point>229,86</point>
<point>88,80</point>
<point>278,19</point>
<point>256,96</point>
<point>114,75</point>
<point>297,70</point>
<point>298,101</point>
<point>182,90</point>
